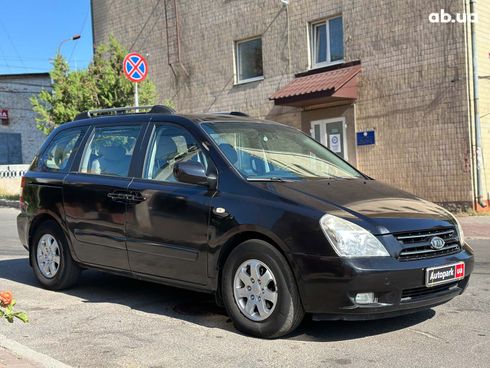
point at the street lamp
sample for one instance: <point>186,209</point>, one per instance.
<point>72,38</point>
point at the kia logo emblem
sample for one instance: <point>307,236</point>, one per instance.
<point>437,243</point>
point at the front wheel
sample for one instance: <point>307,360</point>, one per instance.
<point>51,259</point>
<point>259,291</point>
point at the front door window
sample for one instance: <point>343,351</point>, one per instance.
<point>170,145</point>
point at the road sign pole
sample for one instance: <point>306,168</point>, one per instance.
<point>136,97</point>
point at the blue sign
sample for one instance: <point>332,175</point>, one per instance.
<point>366,138</point>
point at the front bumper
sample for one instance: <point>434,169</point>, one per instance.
<point>328,285</point>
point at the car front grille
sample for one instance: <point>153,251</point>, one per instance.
<point>417,244</point>
<point>420,292</point>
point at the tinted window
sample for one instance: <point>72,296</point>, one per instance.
<point>109,150</point>
<point>57,156</point>
<point>170,144</point>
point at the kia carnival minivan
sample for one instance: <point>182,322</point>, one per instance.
<point>258,213</point>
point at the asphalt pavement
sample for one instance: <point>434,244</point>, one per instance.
<point>111,321</point>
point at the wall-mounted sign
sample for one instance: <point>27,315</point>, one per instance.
<point>4,116</point>
<point>334,143</point>
<point>366,138</point>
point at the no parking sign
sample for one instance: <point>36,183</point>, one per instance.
<point>135,67</point>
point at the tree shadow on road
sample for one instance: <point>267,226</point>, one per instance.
<point>157,300</point>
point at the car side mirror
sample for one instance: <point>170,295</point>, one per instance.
<point>194,173</point>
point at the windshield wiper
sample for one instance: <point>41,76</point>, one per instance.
<point>186,153</point>
<point>272,178</point>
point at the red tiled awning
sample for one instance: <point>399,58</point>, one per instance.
<point>328,86</point>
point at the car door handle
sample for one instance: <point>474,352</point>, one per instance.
<point>135,197</point>
<point>117,197</point>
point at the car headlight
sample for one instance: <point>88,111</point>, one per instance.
<point>351,240</point>
<point>459,230</point>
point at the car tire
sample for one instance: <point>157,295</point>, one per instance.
<point>268,307</point>
<point>51,258</point>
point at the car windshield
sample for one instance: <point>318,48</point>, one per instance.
<point>265,151</point>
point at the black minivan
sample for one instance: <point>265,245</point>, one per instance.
<point>258,213</point>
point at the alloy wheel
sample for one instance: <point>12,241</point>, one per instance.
<point>48,256</point>
<point>255,290</point>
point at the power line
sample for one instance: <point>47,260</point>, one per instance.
<point>81,32</point>
<point>144,25</point>
<point>3,57</point>
<point>23,67</point>
<point>30,58</point>
<point>11,43</point>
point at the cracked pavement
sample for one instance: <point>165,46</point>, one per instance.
<point>112,321</point>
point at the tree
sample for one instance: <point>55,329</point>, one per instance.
<point>101,85</point>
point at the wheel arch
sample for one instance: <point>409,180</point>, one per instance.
<point>238,239</point>
<point>37,221</point>
<point>41,218</point>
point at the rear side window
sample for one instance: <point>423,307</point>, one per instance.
<point>57,156</point>
<point>109,150</point>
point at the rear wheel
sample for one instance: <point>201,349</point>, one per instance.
<point>51,259</point>
<point>259,291</point>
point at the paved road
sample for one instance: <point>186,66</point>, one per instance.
<point>113,321</point>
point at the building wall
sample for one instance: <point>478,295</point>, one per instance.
<point>414,96</point>
<point>412,88</point>
<point>15,92</point>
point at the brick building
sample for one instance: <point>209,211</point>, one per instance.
<point>19,138</point>
<point>376,81</point>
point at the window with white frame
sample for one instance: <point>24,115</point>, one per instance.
<point>327,42</point>
<point>249,60</point>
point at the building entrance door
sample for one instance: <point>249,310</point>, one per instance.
<point>331,133</point>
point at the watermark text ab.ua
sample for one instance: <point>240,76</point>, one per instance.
<point>443,17</point>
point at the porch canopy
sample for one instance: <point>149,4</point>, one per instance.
<point>314,88</point>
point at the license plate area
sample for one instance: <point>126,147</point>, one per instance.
<point>444,274</point>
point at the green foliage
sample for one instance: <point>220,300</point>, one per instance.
<point>9,197</point>
<point>9,314</point>
<point>101,85</point>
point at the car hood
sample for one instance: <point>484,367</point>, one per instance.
<point>376,206</point>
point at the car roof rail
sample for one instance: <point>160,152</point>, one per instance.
<point>152,109</point>
<point>236,113</point>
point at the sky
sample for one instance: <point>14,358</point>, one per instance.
<point>31,31</point>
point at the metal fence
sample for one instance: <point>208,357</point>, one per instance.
<point>12,171</point>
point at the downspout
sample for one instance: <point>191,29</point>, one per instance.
<point>476,113</point>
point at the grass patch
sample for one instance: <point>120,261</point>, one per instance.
<point>10,197</point>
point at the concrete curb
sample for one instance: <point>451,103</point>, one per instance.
<point>29,354</point>
<point>9,203</point>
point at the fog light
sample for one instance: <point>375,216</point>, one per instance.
<point>365,298</point>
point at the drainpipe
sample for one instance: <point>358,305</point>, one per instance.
<point>476,114</point>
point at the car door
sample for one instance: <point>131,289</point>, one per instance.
<point>95,195</point>
<point>167,221</point>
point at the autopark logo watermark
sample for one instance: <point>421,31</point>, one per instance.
<point>443,17</point>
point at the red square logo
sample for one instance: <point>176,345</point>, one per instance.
<point>460,270</point>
